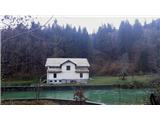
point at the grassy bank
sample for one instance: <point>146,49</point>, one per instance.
<point>96,80</point>
<point>29,102</point>
<point>19,82</point>
<point>111,80</point>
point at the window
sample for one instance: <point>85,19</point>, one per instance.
<point>68,67</point>
<point>51,67</point>
<point>50,81</point>
<point>60,80</point>
<point>55,81</point>
<point>54,75</point>
<point>81,75</point>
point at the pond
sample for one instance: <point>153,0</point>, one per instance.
<point>107,96</point>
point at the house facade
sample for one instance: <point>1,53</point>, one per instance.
<point>67,70</point>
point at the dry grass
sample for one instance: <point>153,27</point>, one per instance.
<point>29,102</point>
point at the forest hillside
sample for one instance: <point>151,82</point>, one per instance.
<point>134,49</point>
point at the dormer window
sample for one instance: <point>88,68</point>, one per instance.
<point>68,67</point>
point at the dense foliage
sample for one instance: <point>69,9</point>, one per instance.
<point>132,48</point>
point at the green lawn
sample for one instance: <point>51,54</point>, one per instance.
<point>15,82</point>
<point>110,80</point>
<point>97,80</point>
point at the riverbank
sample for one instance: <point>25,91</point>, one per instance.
<point>104,89</point>
<point>69,87</point>
<point>45,102</point>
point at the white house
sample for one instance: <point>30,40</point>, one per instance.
<point>67,70</point>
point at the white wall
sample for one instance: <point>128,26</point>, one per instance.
<point>68,74</point>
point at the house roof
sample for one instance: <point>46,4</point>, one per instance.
<point>59,61</point>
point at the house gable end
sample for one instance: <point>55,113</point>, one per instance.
<point>67,62</point>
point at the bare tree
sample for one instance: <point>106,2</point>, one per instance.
<point>124,66</point>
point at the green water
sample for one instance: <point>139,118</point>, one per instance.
<point>106,96</point>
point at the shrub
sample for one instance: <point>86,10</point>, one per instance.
<point>137,84</point>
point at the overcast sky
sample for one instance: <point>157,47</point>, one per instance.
<point>92,23</point>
